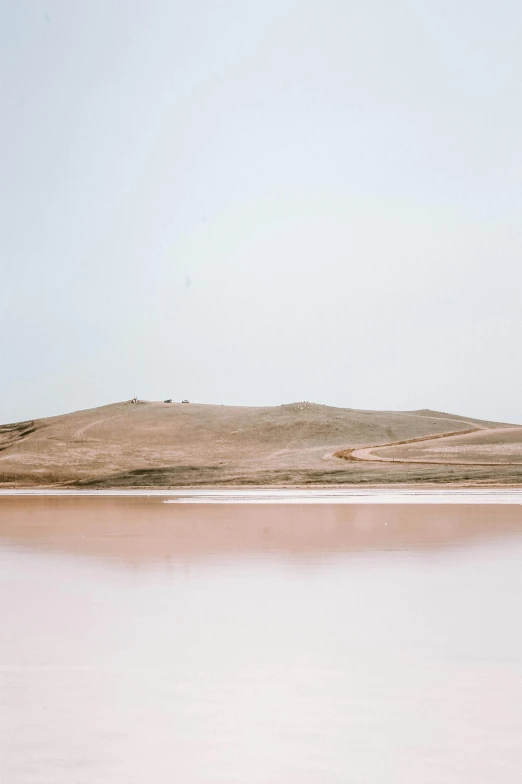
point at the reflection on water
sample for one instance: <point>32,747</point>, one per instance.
<point>140,530</point>
<point>148,642</point>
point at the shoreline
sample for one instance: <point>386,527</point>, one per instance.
<point>295,495</point>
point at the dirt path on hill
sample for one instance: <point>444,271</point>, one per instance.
<point>369,453</point>
<point>82,430</point>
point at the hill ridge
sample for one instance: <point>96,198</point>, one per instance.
<point>153,443</point>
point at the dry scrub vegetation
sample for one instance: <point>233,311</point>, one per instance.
<point>152,444</point>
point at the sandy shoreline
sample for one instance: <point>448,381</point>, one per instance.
<point>341,495</point>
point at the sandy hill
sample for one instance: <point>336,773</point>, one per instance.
<point>151,444</point>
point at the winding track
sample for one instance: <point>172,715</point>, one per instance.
<point>369,453</point>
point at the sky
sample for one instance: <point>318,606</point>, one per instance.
<point>256,203</point>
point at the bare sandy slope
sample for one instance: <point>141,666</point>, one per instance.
<point>153,444</point>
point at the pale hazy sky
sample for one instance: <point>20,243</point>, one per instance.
<point>261,202</point>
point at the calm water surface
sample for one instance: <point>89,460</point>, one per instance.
<point>146,642</point>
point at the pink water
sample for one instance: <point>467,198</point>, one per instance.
<point>144,642</point>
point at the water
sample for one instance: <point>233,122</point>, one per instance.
<point>329,644</point>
